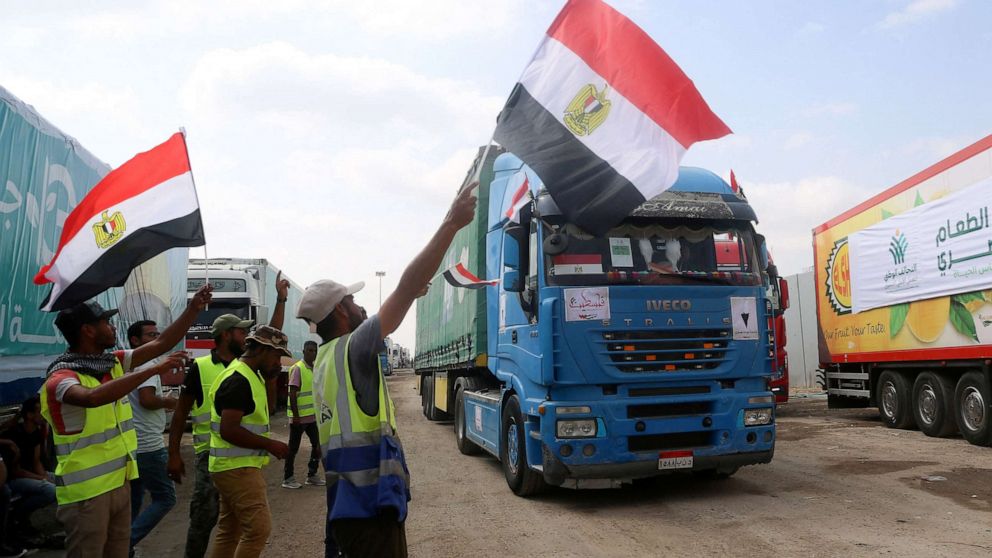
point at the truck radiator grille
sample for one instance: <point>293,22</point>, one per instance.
<point>665,350</point>
<point>679,440</point>
<point>669,409</point>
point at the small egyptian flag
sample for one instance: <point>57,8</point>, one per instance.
<point>521,197</point>
<point>458,276</point>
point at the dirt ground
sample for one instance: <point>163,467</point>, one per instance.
<point>841,484</point>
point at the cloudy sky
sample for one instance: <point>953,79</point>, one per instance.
<point>329,137</point>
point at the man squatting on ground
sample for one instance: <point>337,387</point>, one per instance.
<point>228,332</point>
<point>85,401</point>
<point>367,475</point>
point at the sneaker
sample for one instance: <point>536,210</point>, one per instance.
<point>316,480</point>
<point>291,483</point>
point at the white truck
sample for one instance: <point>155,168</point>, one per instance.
<point>244,287</point>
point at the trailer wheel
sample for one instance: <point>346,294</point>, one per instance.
<point>933,404</point>
<point>427,390</point>
<point>895,402</point>
<point>513,452</point>
<point>971,408</point>
<point>466,446</point>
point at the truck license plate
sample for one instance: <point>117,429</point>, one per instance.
<point>675,460</point>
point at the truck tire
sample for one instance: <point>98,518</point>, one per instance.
<point>971,408</point>
<point>430,410</point>
<point>895,400</point>
<point>465,446</point>
<point>513,452</point>
<point>933,405</point>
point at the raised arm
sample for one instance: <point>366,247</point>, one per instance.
<point>279,310</point>
<point>119,387</point>
<point>176,330</point>
<point>422,268</point>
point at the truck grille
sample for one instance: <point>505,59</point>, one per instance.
<point>669,409</point>
<point>666,350</point>
<point>679,440</point>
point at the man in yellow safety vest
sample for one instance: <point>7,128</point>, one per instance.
<point>367,477</point>
<point>85,401</point>
<point>302,418</point>
<point>228,332</point>
<point>240,444</point>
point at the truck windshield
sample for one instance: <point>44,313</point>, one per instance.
<point>204,320</point>
<point>653,254</point>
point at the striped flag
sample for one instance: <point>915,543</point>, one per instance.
<point>603,115</point>
<point>521,197</point>
<point>139,210</point>
<point>458,276</point>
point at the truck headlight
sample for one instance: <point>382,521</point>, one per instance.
<point>757,417</point>
<point>583,428</point>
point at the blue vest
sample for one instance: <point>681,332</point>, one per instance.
<point>363,458</point>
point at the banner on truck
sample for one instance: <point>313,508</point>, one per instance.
<point>44,173</point>
<point>941,248</point>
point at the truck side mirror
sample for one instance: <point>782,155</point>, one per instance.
<point>512,282</point>
<point>515,237</point>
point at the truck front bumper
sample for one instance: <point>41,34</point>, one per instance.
<point>556,472</point>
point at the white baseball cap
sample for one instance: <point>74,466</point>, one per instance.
<point>320,299</point>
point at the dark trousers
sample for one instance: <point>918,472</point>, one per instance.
<point>204,507</point>
<point>381,536</point>
<point>295,437</point>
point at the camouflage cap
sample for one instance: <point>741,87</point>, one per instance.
<point>270,337</point>
<point>229,321</point>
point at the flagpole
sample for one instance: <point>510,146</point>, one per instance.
<point>492,138</point>
<point>206,260</point>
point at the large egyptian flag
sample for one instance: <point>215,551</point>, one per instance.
<point>603,115</point>
<point>139,210</point>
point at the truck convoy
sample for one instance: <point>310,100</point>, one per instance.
<point>599,360</point>
<point>904,300</point>
<point>45,174</point>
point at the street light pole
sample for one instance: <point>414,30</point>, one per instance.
<point>380,275</point>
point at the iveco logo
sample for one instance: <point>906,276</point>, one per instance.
<point>667,305</point>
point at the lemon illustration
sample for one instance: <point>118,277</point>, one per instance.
<point>927,318</point>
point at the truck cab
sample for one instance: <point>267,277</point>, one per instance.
<point>625,355</point>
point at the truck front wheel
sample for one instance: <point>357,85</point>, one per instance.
<point>933,404</point>
<point>972,411</point>
<point>466,446</point>
<point>513,452</point>
<point>895,400</point>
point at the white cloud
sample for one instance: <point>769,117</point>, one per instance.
<point>80,106</point>
<point>353,159</point>
<point>788,211</point>
<point>916,11</point>
<point>811,28</point>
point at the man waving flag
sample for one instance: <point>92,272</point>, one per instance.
<point>139,210</point>
<point>603,115</point>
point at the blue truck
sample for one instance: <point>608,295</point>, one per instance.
<point>599,360</point>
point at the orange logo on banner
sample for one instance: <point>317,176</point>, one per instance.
<point>839,278</point>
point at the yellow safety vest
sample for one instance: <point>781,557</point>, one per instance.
<point>209,370</point>
<point>223,454</point>
<point>304,399</point>
<point>99,459</point>
<point>352,441</point>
